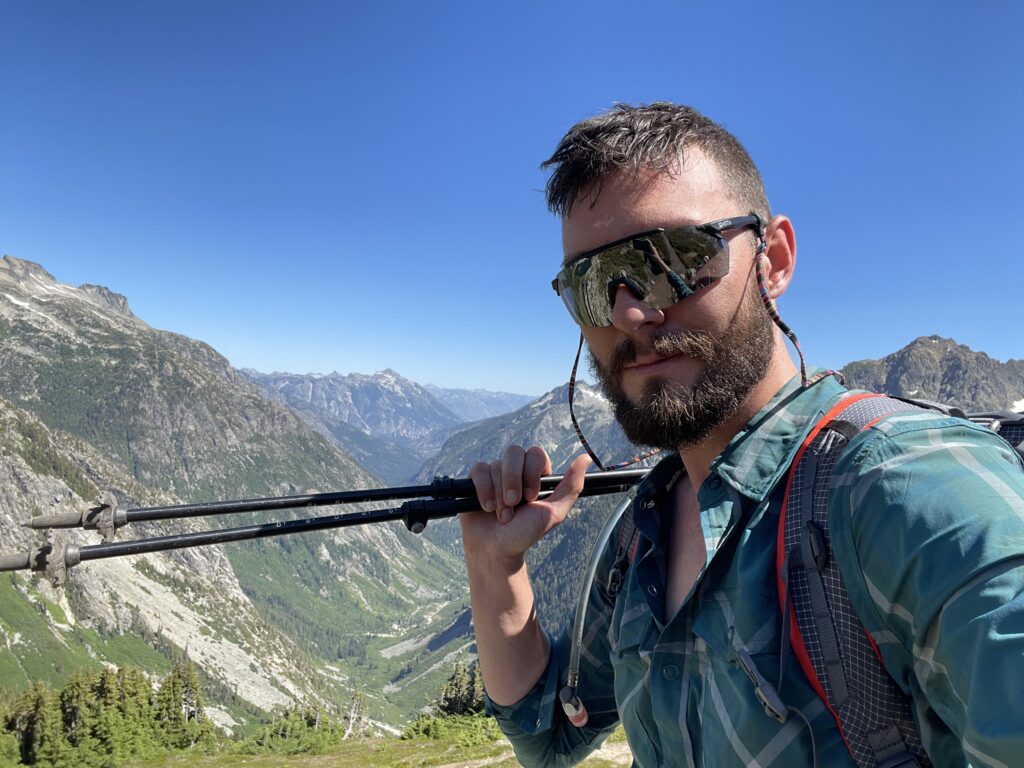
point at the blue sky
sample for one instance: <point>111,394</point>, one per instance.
<point>317,186</point>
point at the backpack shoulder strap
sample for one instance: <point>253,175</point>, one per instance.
<point>625,551</point>
<point>839,657</point>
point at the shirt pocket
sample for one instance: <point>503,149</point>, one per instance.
<point>740,630</point>
<point>745,617</point>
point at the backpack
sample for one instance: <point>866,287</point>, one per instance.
<point>835,651</point>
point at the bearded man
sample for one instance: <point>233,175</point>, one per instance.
<point>673,262</point>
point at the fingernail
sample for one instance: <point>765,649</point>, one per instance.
<point>489,505</point>
<point>530,494</point>
<point>511,497</point>
<point>506,515</point>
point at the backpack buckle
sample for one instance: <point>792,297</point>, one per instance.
<point>614,580</point>
<point>765,692</point>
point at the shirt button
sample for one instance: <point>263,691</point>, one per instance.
<point>714,483</point>
<point>671,672</point>
<point>652,590</point>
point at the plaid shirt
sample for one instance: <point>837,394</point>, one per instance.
<point>927,522</point>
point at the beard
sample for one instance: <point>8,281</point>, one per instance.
<point>670,414</point>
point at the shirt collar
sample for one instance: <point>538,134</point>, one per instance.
<point>763,450</point>
<point>758,454</point>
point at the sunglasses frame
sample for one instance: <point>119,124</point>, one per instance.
<point>713,228</point>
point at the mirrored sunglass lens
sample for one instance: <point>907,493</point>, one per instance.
<point>665,267</point>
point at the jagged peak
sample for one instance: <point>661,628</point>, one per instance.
<point>19,270</point>
<point>108,298</point>
<point>34,280</point>
<point>941,343</point>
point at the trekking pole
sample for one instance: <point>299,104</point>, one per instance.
<point>56,557</point>
<point>107,518</point>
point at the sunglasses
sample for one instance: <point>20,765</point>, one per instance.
<point>660,268</point>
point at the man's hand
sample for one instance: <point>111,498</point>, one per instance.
<point>503,532</point>
<point>513,648</point>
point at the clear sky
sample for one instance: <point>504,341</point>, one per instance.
<point>318,186</point>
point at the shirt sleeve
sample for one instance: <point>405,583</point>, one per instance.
<point>927,520</point>
<point>540,733</point>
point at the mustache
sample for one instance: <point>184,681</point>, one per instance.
<point>698,344</point>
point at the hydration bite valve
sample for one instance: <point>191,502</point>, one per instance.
<point>573,707</point>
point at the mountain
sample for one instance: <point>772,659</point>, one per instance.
<point>354,608</point>
<point>478,404</point>
<point>389,423</point>
<point>934,368</point>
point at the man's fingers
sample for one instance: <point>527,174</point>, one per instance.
<point>504,510</point>
<point>512,476</point>
<point>535,465</point>
<point>480,474</point>
<point>568,490</point>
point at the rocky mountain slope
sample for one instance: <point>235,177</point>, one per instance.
<point>390,424</point>
<point>933,368</point>
<point>177,421</point>
<point>117,610</point>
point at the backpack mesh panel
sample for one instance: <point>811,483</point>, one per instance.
<point>875,701</point>
<point>1013,434</point>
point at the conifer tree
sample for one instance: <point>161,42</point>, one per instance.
<point>179,710</point>
<point>109,724</point>
<point>41,724</point>
<point>456,694</point>
<point>477,697</point>
<point>169,712</point>
<point>136,696</point>
<point>79,708</point>
<point>10,750</point>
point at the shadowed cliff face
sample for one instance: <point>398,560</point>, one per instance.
<point>933,368</point>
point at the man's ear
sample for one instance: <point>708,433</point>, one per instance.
<point>780,250</point>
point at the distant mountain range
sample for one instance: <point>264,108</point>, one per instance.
<point>93,399</point>
<point>389,424</point>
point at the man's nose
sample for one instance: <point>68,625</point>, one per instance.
<point>630,314</point>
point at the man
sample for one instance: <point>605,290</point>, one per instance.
<point>927,513</point>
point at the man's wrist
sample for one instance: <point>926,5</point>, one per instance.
<point>494,566</point>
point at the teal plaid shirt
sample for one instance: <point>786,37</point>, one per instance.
<point>927,523</point>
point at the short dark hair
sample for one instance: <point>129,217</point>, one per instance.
<point>647,136</point>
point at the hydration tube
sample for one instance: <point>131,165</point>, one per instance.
<point>571,704</point>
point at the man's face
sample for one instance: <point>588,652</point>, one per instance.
<point>673,375</point>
